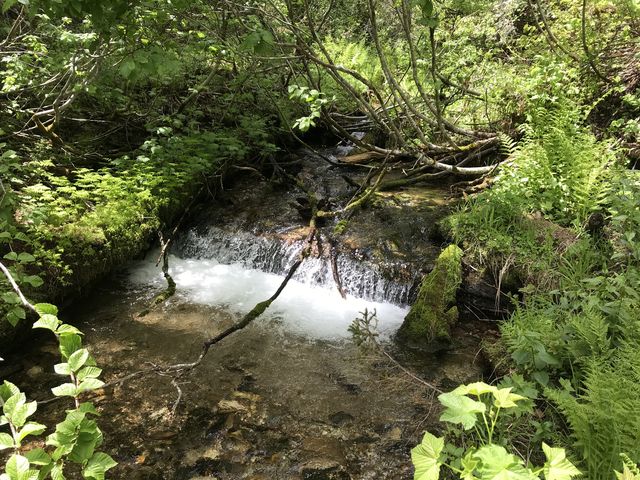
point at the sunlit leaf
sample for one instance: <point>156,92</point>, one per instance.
<point>557,466</point>
<point>460,409</point>
<point>425,457</point>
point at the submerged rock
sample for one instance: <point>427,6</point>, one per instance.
<point>428,323</point>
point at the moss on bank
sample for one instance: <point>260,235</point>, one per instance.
<point>434,311</point>
<point>79,224</point>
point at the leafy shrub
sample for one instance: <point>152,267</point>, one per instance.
<point>479,407</point>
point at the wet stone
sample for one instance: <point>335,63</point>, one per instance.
<point>340,418</point>
<point>320,473</point>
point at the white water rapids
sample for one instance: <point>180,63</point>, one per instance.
<point>314,311</point>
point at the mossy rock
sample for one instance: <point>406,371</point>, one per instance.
<point>429,321</point>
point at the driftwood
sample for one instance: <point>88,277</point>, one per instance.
<point>363,157</point>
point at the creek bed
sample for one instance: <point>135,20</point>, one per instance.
<point>289,397</point>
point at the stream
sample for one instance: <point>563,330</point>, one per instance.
<point>288,397</point>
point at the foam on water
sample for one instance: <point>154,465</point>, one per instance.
<point>317,312</point>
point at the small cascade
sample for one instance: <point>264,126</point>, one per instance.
<point>359,278</point>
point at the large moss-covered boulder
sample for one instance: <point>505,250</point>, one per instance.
<point>428,323</point>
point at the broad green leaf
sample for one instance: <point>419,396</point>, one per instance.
<point>477,389</point>
<point>65,390</point>
<point>498,464</point>
<point>8,390</point>
<point>6,441</point>
<point>557,467</point>
<point>66,329</point>
<point>505,399</point>
<point>38,456</point>
<point>90,384</point>
<point>57,473</point>
<point>46,309</point>
<point>17,410</point>
<point>17,467</point>
<point>425,457</point>
<point>33,280</point>
<point>460,409</point>
<point>469,465</point>
<point>62,369</point>
<point>98,465</point>
<point>88,407</point>
<point>69,344</point>
<point>89,372</point>
<point>78,358</point>
<point>30,428</point>
<point>48,322</point>
<point>25,257</point>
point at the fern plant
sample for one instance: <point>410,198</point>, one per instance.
<point>603,415</point>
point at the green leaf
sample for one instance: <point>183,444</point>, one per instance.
<point>56,472</point>
<point>69,344</point>
<point>7,4</point>
<point>460,409</point>
<point>78,358</point>
<point>90,384</point>
<point>66,329</point>
<point>33,280</point>
<point>557,467</point>
<point>25,257</point>
<point>425,457</point>
<point>89,372</point>
<point>17,467</point>
<point>469,465</point>
<point>11,298</point>
<point>17,410</point>
<point>8,390</point>
<point>38,456</point>
<point>98,465</point>
<point>31,428</point>
<point>505,399</point>
<point>62,369</point>
<point>627,474</point>
<point>6,441</point>
<point>13,256</point>
<point>88,407</point>
<point>48,322</point>
<point>127,67</point>
<point>477,389</point>
<point>65,390</point>
<point>46,309</point>
<point>498,464</point>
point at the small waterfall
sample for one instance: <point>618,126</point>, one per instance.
<point>360,278</point>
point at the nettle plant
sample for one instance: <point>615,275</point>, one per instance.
<point>75,439</point>
<point>477,407</point>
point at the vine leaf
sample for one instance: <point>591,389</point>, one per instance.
<point>557,466</point>
<point>425,457</point>
<point>498,464</point>
<point>460,409</point>
<point>505,399</point>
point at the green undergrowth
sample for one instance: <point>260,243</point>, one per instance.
<point>64,227</point>
<point>563,218</point>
